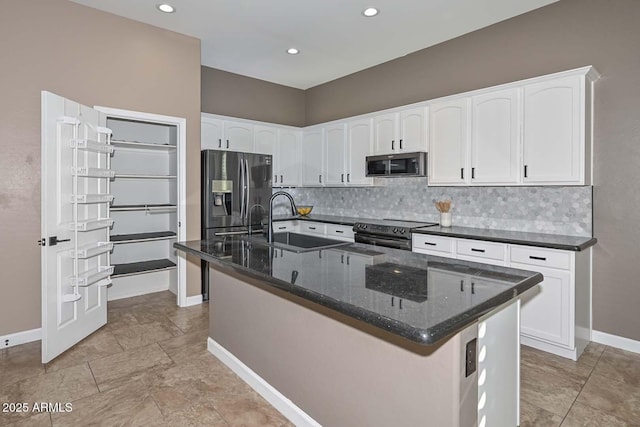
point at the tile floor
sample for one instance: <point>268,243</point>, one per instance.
<point>149,367</point>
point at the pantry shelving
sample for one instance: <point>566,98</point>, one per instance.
<point>145,205</point>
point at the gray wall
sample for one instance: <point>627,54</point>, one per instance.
<point>96,59</point>
<point>563,35</point>
<point>234,95</point>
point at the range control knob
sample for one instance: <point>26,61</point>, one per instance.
<point>395,230</point>
<point>403,231</point>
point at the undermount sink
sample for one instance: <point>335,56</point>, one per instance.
<point>296,242</point>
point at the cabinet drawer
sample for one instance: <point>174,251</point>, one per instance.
<point>432,243</point>
<point>478,249</point>
<point>541,257</point>
<point>312,227</point>
<point>342,232</point>
<point>285,226</point>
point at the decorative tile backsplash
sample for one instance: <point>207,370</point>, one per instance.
<point>553,210</point>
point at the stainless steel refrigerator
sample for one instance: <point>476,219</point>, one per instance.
<point>236,188</point>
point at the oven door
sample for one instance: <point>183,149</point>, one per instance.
<point>386,242</point>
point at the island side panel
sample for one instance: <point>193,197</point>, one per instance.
<point>338,370</point>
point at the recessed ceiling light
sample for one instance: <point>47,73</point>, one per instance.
<point>166,8</point>
<point>370,12</point>
<point>293,51</point>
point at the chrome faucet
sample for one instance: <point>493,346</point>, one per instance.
<point>294,211</point>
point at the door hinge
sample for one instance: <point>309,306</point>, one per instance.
<point>42,242</point>
<point>179,224</point>
<point>54,240</point>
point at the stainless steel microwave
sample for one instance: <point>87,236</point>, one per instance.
<point>401,164</point>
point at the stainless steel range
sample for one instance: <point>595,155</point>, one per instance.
<point>390,233</point>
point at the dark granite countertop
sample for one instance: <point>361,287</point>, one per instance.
<point>419,297</point>
<point>552,241</point>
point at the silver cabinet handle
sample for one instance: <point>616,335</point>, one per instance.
<point>348,177</point>
<point>227,143</point>
<point>281,179</point>
<point>341,177</point>
<point>275,178</point>
<point>392,144</point>
<point>219,143</point>
<point>320,178</point>
<point>401,144</point>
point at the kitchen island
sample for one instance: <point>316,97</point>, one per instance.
<point>357,335</point>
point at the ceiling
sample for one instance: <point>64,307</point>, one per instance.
<point>250,37</point>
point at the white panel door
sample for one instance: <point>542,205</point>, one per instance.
<point>312,158</point>
<point>238,136</point>
<point>553,135</point>
<point>413,130</point>
<point>74,222</point>
<point>211,133</point>
<point>495,141</point>
<point>385,133</point>
<point>288,160</point>
<point>359,144</point>
<point>549,313</point>
<point>335,154</point>
<point>265,139</point>
<point>448,135</point>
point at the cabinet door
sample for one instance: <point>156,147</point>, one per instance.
<point>384,133</point>
<point>265,139</point>
<point>335,153</point>
<point>311,155</point>
<point>553,135</point>
<point>548,312</point>
<point>413,130</point>
<point>211,133</point>
<point>495,138</point>
<point>359,141</point>
<point>448,135</point>
<point>286,158</point>
<point>238,136</point>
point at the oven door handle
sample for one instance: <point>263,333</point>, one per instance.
<point>379,241</point>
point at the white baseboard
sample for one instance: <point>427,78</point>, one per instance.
<point>193,300</point>
<point>289,409</point>
<point>615,341</point>
<point>18,338</point>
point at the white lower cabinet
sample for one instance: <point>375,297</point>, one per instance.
<point>547,310</point>
<point>556,314</point>
<point>314,228</point>
<point>285,227</point>
<point>340,232</point>
<point>309,227</point>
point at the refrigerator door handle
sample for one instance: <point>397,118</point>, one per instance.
<point>247,212</point>
<point>243,185</point>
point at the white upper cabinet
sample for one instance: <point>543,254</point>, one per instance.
<point>335,147</point>
<point>312,153</point>
<point>359,143</point>
<point>265,139</point>
<point>238,136</point>
<point>413,130</point>
<point>495,138</point>
<point>384,133</point>
<point>403,131</point>
<point>219,134</point>
<point>286,163</point>
<point>448,142</point>
<point>554,137</point>
<point>211,133</point>
<point>536,132</point>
